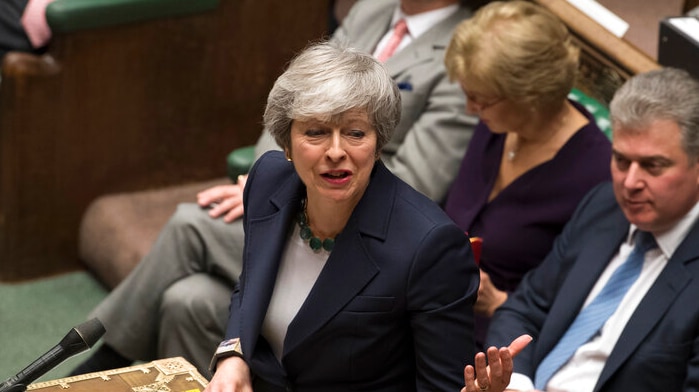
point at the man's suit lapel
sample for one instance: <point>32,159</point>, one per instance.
<point>374,30</point>
<point>601,247</point>
<point>349,268</point>
<point>669,284</point>
<point>408,57</point>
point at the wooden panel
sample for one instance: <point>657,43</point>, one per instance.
<point>689,5</point>
<point>132,107</point>
<point>644,19</point>
<point>606,60</point>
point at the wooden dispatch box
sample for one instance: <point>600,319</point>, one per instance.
<point>164,375</point>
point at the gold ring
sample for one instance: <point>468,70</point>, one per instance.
<point>484,388</point>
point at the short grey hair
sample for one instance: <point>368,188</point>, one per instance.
<point>325,81</point>
<point>663,94</point>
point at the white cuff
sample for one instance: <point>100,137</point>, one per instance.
<point>520,382</point>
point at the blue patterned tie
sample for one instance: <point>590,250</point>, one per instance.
<point>592,318</point>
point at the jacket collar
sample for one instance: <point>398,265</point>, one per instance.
<point>348,269</point>
<point>598,250</point>
<point>582,277</point>
<point>669,284</point>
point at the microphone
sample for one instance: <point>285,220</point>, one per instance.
<point>77,340</point>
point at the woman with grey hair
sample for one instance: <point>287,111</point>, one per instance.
<point>352,280</point>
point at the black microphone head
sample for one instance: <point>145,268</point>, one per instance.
<point>91,331</point>
<point>82,337</point>
<point>78,339</point>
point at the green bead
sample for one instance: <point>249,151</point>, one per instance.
<point>328,244</point>
<point>315,243</point>
<point>306,232</point>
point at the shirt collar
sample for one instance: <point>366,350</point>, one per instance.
<point>420,23</point>
<point>671,239</point>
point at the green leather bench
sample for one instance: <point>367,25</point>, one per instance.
<point>71,15</point>
<point>239,161</point>
<point>599,111</point>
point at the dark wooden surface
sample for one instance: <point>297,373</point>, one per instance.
<point>643,17</point>
<point>606,61</point>
<point>132,107</point>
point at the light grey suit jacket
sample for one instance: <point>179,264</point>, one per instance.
<point>431,138</point>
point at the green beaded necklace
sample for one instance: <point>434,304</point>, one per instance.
<point>306,233</point>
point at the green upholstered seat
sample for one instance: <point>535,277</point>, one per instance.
<point>239,161</point>
<point>71,15</point>
<point>597,109</point>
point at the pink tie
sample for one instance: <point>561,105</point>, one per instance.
<point>34,22</point>
<point>399,31</point>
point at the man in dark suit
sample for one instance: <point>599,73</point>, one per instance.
<point>649,339</point>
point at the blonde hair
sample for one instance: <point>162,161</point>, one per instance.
<point>518,49</point>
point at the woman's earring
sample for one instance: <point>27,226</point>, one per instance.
<point>288,158</point>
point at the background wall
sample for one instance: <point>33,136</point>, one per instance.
<point>644,18</point>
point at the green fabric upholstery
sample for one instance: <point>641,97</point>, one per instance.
<point>71,15</point>
<point>239,161</point>
<point>597,109</point>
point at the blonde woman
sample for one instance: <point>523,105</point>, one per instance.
<point>534,153</point>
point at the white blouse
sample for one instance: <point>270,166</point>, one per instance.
<point>298,271</point>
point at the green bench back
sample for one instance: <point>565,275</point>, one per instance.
<point>598,110</point>
<point>71,15</point>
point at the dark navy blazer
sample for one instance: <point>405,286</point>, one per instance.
<point>392,310</point>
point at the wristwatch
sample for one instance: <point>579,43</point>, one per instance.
<point>227,348</point>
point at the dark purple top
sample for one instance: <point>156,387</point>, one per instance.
<point>519,225</point>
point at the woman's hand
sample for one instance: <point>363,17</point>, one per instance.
<point>232,375</point>
<point>224,200</point>
<point>489,297</point>
<point>496,376</point>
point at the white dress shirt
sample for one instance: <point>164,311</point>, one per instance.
<point>417,25</point>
